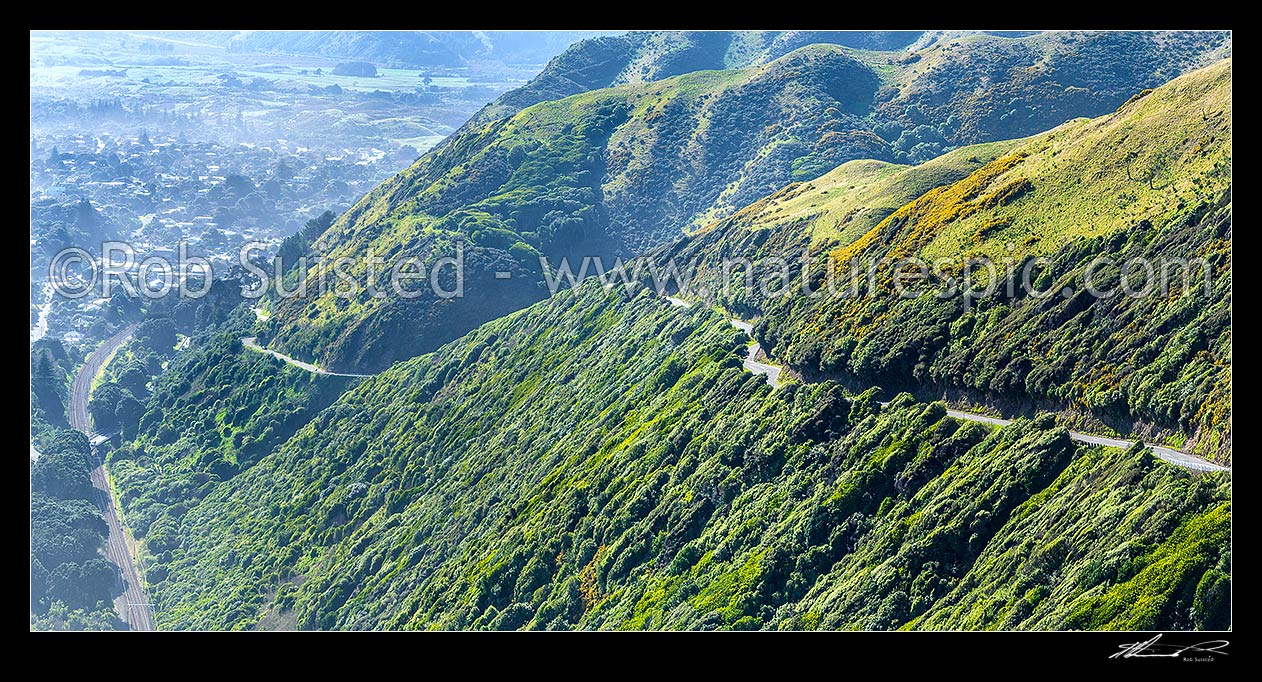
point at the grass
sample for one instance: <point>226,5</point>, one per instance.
<point>1067,186</point>
<point>848,201</point>
<point>1063,185</point>
<point>1179,137</point>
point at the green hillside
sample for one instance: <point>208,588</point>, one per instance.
<point>215,410</point>
<point>604,173</point>
<point>965,86</point>
<point>615,170</point>
<point>1150,181</point>
<point>599,461</point>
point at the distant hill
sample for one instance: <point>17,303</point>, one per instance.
<point>414,48</point>
<point>965,86</point>
<point>642,56</point>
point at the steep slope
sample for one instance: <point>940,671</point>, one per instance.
<point>214,411</point>
<point>1149,183</point>
<point>611,172</point>
<point>601,460</point>
<point>605,173</point>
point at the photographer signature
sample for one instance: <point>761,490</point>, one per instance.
<point>1154,649</point>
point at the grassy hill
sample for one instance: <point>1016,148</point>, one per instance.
<point>1151,181</point>
<point>848,201</point>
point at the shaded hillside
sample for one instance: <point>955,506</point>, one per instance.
<point>644,56</point>
<point>963,89</point>
<point>940,89</point>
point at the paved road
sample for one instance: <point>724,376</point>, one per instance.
<point>1182,459</point>
<point>1175,457</point>
<point>753,366</point>
<point>770,371</point>
<point>133,604</point>
<point>252,342</point>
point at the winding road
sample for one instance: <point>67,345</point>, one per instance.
<point>772,373</point>
<point>252,342</point>
<point>1172,456</point>
<point>133,604</point>
<point>751,364</point>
